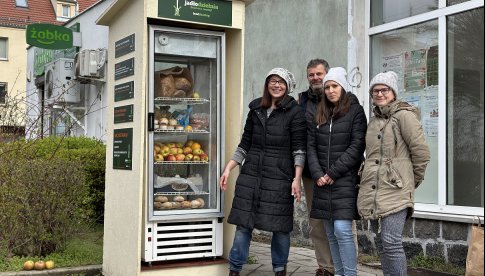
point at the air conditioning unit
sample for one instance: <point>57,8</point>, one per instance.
<point>59,84</point>
<point>90,64</point>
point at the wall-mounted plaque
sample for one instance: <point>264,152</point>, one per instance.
<point>123,114</point>
<point>124,46</point>
<point>123,149</point>
<point>125,68</point>
<point>124,91</point>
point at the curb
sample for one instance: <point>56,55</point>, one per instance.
<point>88,270</point>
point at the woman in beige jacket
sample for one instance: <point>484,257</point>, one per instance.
<point>396,159</point>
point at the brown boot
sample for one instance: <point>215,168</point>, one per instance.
<point>233,273</point>
<point>280,273</point>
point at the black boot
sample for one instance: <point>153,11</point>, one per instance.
<point>233,273</point>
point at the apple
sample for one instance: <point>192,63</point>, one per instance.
<point>179,145</point>
<point>29,265</point>
<point>180,150</point>
<point>171,145</point>
<point>196,158</point>
<point>159,157</point>
<point>187,150</point>
<point>189,143</point>
<point>189,128</point>
<point>197,151</point>
<point>189,156</point>
<point>173,151</point>
<point>165,151</point>
<point>39,265</point>
<point>180,157</point>
<point>196,95</point>
<point>195,145</point>
<point>49,264</point>
<point>171,157</point>
<point>157,148</point>
<point>204,157</point>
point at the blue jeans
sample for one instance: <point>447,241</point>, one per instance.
<point>342,246</point>
<point>280,249</point>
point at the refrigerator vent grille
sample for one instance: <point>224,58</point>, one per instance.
<point>192,239</point>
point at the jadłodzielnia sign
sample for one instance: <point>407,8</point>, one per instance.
<point>48,36</point>
<point>206,11</point>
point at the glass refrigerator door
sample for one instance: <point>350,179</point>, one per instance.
<point>185,124</point>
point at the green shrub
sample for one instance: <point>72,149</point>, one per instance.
<point>47,187</point>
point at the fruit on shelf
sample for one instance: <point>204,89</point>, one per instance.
<point>189,143</point>
<point>188,128</point>
<point>180,157</point>
<point>179,145</point>
<point>49,264</point>
<point>197,151</point>
<point>39,265</point>
<point>189,157</point>
<point>180,150</point>
<point>171,158</point>
<point>196,158</point>
<point>195,145</point>
<point>171,145</point>
<point>196,95</point>
<point>159,157</point>
<point>165,150</point>
<point>173,151</point>
<point>172,122</point>
<point>204,157</point>
<point>29,265</point>
<point>187,150</point>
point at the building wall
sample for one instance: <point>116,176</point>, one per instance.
<point>13,72</point>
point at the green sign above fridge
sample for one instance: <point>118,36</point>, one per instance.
<point>48,36</point>
<point>205,11</point>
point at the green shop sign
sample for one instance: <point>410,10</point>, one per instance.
<point>205,11</point>
<point>48,36</point>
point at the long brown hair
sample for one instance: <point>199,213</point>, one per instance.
<point>267,99</point>
<point>327,110</point>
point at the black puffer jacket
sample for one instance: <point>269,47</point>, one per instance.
<point>308,101</point>
<point>336,148</point>
<point>263,197</point>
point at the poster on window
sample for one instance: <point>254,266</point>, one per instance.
<point>394,63</point>
<point>414,70</point>
<point>430,112</point>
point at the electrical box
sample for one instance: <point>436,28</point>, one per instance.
<point>60,85</point>
<point>90,64</point>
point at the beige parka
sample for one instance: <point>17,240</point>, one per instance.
<point>396,160</point>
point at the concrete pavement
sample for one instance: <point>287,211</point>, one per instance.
<point>301,262</point>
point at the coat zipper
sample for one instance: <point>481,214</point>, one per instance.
<point>328,159</point>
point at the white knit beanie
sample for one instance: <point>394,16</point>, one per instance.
<point>286,75</point>
<point>388,78</point>
<point>338,75</point>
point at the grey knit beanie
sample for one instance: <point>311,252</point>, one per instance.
<point>286,75</point>
<point>388,78</point>
<point>338,75</point>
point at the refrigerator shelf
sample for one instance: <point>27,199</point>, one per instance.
<point>182,131</point>
<point>192,101</point>
<point>180,162</point>
<point>181,193</point>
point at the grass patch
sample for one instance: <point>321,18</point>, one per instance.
<point>252,260</point>
<point>86,248</point>
<point>435,264</point>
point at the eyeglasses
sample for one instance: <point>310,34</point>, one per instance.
<point>384,91</point>
<point>274,82</point>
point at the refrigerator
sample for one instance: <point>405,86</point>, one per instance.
<point>184,204</point>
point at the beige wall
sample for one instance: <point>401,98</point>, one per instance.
<point>13,72</point>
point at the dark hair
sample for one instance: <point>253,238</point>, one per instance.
<point>326,109</point>
<point>267,99</point>
<point>317,61</point>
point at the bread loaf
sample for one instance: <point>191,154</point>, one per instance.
<point>161,199</point>
<point>178,198</point>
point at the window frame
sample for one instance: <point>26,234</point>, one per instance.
<point>6,48</point>
<point>21,5</point>
<point>5,89</point>
<point>441,210</point>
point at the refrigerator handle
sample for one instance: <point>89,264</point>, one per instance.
<point>151,121</point>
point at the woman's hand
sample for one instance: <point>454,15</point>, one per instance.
<point>296,189</point>
<point>223,179</point>
<point>325,180</point>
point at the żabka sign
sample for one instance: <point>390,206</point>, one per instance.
<point>48,36</point>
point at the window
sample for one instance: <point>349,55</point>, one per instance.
<point>3,48</point>
<point>66,11</point>
<point>3,92</point>
<point>465,83</point>
<point>440,62</point>
<point>21,3</point>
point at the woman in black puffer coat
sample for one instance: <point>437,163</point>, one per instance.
<point>336,144</point>
<point>273,148</point>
